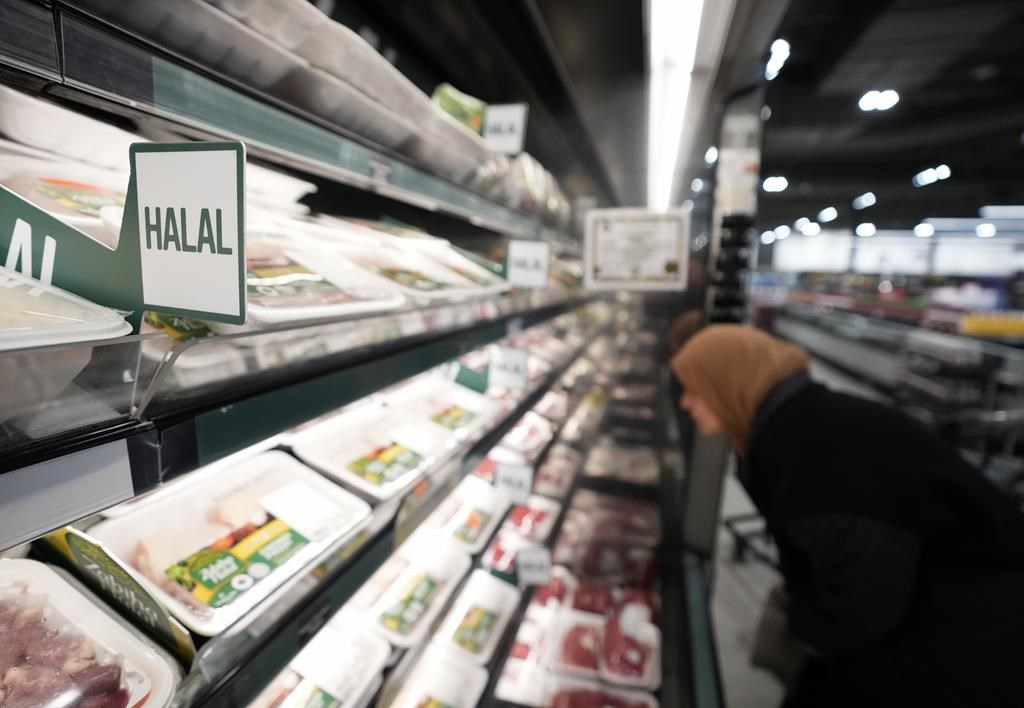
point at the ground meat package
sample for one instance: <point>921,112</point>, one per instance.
<point>440,680</point>
<point>60,648</point>
<point>559,592</point>
<point>213,548</point>
<point>339,667</point>
<point>554,405</point>
<point>622,649</point>
<point>534,520</point>
<point>556,473</point>
<point>564,692</point>
<point>528,438</point>
<point>576,643</point>
<point>478,618</point>
<point>500,556</point>
<point>637,465</point>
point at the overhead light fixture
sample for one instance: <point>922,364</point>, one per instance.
<point>828,214</point>
<point>864,201</point>
<point>985,230</point>
<point>775,184</point>
<point>878,100</point>
<point>931,175</point>
<point>800,223</point>
<point>711,156</point>
<point>924,230</point>
<point>674,26</point>
<point>782,232</point>
<point>1007,211</point>
<point>777,56</point>
<point>697,185</point>
<point>766,112</point>
<point>811,228</point>
<point>865,230</point>
<point>768,238</point>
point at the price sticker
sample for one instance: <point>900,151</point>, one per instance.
<point>527,263</point>
<point>534,566</point>
<point>516,480</point>
<point>509,368</point>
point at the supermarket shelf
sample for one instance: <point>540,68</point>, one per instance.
<point>144,453</point>
<point>86,60</point>
<point>238,664</point>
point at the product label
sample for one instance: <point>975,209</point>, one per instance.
<point>527,263</point>
<point>386,464</point>
<point>403,616</point>
<point>116,584</point>
<point>509,368</point>
<point>517,480</point>
<point>504,127</point>
<point>177,327</point>
<point>472,525</point>
<point>308,695</point>
<point>534,566</point>
<point>332,668</point>
<point>431,702</point>
<point>475,629</point>
<point>223,571</point>
<point>273,279</point>
<point>412,279</point>
<point>453,417</point>
<point>87,199</point>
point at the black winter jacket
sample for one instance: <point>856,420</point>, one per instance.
<point>904,566</point>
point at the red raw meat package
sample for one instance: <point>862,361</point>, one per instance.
<point>624,655</point>
<point>591,698</point>
<point>552,593</point>
<point>593,597</point>
<point>526,519</point>
<point>580,647</point>
<point>648,599</point>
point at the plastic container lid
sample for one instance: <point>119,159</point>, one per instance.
<point>336,668</point>
<point>90,653</point>
<point>456,411</point>
<point>480,508</point>
<point>478,619</point>
<point>213,550</point>
<point>441,680</point>
<point>34,314</point>
<point>370,449</point>
<point>405,611</point>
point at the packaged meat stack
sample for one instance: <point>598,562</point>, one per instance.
<point>565,692</point>
<point>623,649</point>
<point>216,544</point>
<point>534,520</point>
<point>576,644</point>
<point>440,680</point>
<point>339,667</point>
<point>60,648</point>
<point>527,439</point>
<point>586,419</point>
<point>478,619</point>
<point>557,472</point>
<point>557,593</point>
<point>371,449</point>
<point>554,405</point>
<point>610,460</point>
<point>640,393</point>
<point>500,556</point>
<point>405,611</point>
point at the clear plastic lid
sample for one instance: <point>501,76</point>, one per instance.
<point>478,619</point>
<point>440,680</point>
<point>60,648</point>
<point>35,314</point>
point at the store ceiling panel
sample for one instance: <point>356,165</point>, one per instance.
<point>958,66</point>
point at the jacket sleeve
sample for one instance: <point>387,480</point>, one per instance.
<point>858,585</point>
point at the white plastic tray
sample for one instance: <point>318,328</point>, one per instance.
<point>484,593</point>
<point>474,496</point>
<point>443,678</point>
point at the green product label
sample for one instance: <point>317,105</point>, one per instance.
<point>321,699</point>
<point>223,571</point>
<point>453,417</point>
<point>412,279</point>
<point>176,326</point>
<point>386,464</point>
<point>475,629</point>
<point>274,280</point>
<point>472,379</point>
<point>406,613</point>
<point>87,199</point>
<point>117,584</point>
<point>431,702</point>
<point>471,527</point>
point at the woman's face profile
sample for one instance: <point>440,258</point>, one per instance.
<point>707,422</point>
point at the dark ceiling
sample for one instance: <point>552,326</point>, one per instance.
<point>580,64</point>
<point>958,66</point>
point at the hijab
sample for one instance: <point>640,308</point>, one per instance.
<point>732,369</point>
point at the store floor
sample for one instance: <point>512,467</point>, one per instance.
<point>741,587</point>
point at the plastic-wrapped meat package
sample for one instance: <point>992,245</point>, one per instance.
<point>557,592</point>
<point>485,470</point>
<point>649,600</point>
<point>596,598</point>
<point>638,465</point>
<point>531,638</point>
<point>59,648</point>
<point>500,556</point>
<point>528,437</point>
<point>614,519</point>
<point>535,519</point>
<point>554,405</point>
<point>631,651</point>
<point>555,474</point>
<point>579,693</point>
<point>613,563</point>
<point>576,648</point>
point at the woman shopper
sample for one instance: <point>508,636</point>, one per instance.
<point>903,566</point>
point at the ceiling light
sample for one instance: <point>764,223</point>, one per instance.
<point>800,223</point>
<point>828,214</point>
<point>878,100</point>
<point>865,230</point>
<point>775,184</point>
<point>674,25</point>
<point>766,113</point>
<point>924,230</point>
<point>864,201</point>
<point>943,172</point>
<point>768,238</point>
<point>777,56</point>
<point>985,230</point>
<point>811,228</point>
<point>711,156</point>
<point>697,185</point>
<point>782,232</point>
<point>931,175</point>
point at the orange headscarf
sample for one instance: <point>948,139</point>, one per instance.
<point>732,368</point>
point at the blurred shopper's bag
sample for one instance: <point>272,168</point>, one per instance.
<point>775,650</point>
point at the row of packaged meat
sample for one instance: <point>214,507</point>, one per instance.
<point>292,51</point>
<point>212,545</point>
